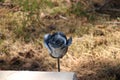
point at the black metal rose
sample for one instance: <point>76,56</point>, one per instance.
<point>57,44</point>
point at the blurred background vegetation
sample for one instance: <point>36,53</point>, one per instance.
<point>94,26</point>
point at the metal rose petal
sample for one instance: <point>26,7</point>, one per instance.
<point>58,39</point>
<point>69,41</point>
<point>46,42</point>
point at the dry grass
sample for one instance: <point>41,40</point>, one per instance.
<point>93,55</point>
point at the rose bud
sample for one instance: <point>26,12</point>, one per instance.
<point>57,44</point>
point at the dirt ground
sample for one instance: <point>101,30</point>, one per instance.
<point>93,55</point>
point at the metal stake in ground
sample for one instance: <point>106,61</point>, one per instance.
<point>58,62</point>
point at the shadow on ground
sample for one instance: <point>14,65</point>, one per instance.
<point>103,70</point>
<point>28,60</point>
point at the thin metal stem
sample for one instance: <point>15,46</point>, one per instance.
<point>58,61</point>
